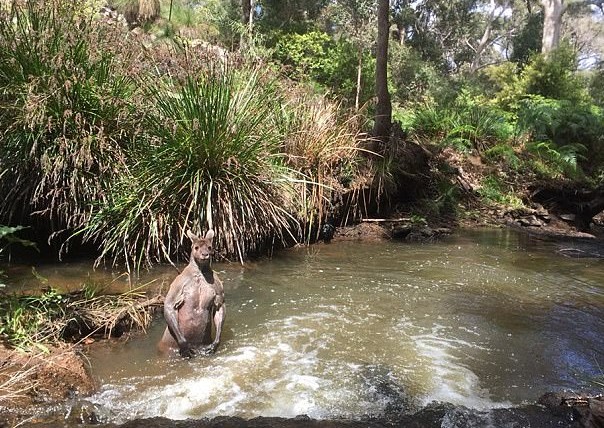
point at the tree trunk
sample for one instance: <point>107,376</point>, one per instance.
<point>552,23</point>
<point>485,41</point>
<point>247,19</point>
<point>245,11</point>
<point>383,109</point>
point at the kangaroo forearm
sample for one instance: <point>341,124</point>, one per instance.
<point>219,317</point>
<point>172,321</point>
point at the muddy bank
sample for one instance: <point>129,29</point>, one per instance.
<point>30,381</point>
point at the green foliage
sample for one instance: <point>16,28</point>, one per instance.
<point>574,131</point>
<point>503,85</point>
<point>596,89</point>
<point>554,76</point>
<point>415,81</point>
<point>493,190</point>
<point>464,125</point>
<point>551,77</point>
<point>333,64</point>
<point>29,321</point>
<point>557,161</point>
<point>63,111</point>
<point>212,142</point>
<point>503,152</point>
<point>527,41</point>
<point>305,55</point>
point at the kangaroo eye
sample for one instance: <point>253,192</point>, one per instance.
<point>197,247</point>
<point>210,248</point>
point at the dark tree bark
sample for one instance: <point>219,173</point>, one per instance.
<point>246,9</point>
<point>383,109</point>
<point>247,19</point>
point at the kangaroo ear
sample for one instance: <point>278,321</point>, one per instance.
<point>209,235</point>
<point>192,236</point>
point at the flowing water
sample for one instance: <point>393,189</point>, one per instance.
<point>482,320</point>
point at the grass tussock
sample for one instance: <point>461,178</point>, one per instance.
<point>64,110</point>
<point>211,156</point>
<point>324,146</point>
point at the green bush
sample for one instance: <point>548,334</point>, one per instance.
<point>212,155</point>
<point>554,76</point>
<point>64,111</point>
<point>503,152</point>
<point>414,80</point>
<point>333,64</point>
<point>305,55</point>
<point>464,125</point>
<point>575,131</point>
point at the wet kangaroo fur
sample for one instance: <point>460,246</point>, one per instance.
<point>195,300</point>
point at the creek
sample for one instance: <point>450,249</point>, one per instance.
<point>482,319</point>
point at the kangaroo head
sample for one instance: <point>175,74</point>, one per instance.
<point>201,248</point>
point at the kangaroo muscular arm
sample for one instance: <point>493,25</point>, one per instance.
<point>219,317</point>
<point>171,304</point>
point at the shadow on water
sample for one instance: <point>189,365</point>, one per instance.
<point>482,323</point>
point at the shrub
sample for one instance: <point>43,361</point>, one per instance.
<point>463,126</point>
<point>213,156</point>
<point>503,152</point>
<point>415,81</point>
<point>554,76</point>
<point>65,121</point>
<point>574,131</point>
<point>305,55</point>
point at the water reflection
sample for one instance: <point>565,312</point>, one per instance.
<point>483,319</point>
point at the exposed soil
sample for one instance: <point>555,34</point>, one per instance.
<point>28,380</point>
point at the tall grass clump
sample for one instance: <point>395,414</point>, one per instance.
<point>64,113</point>
<point>324,147</point>
<point>212,157</point>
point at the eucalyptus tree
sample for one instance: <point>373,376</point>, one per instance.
<point>287,15</point>
<point>449,33</point>
<point>496,29</point>
<point>354,20</point>
<point>552,23</point>
<point>553,10</point>
<point>383,109</point>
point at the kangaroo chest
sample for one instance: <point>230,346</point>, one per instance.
<point>198,294</point>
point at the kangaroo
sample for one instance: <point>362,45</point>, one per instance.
<point>194,300</point>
